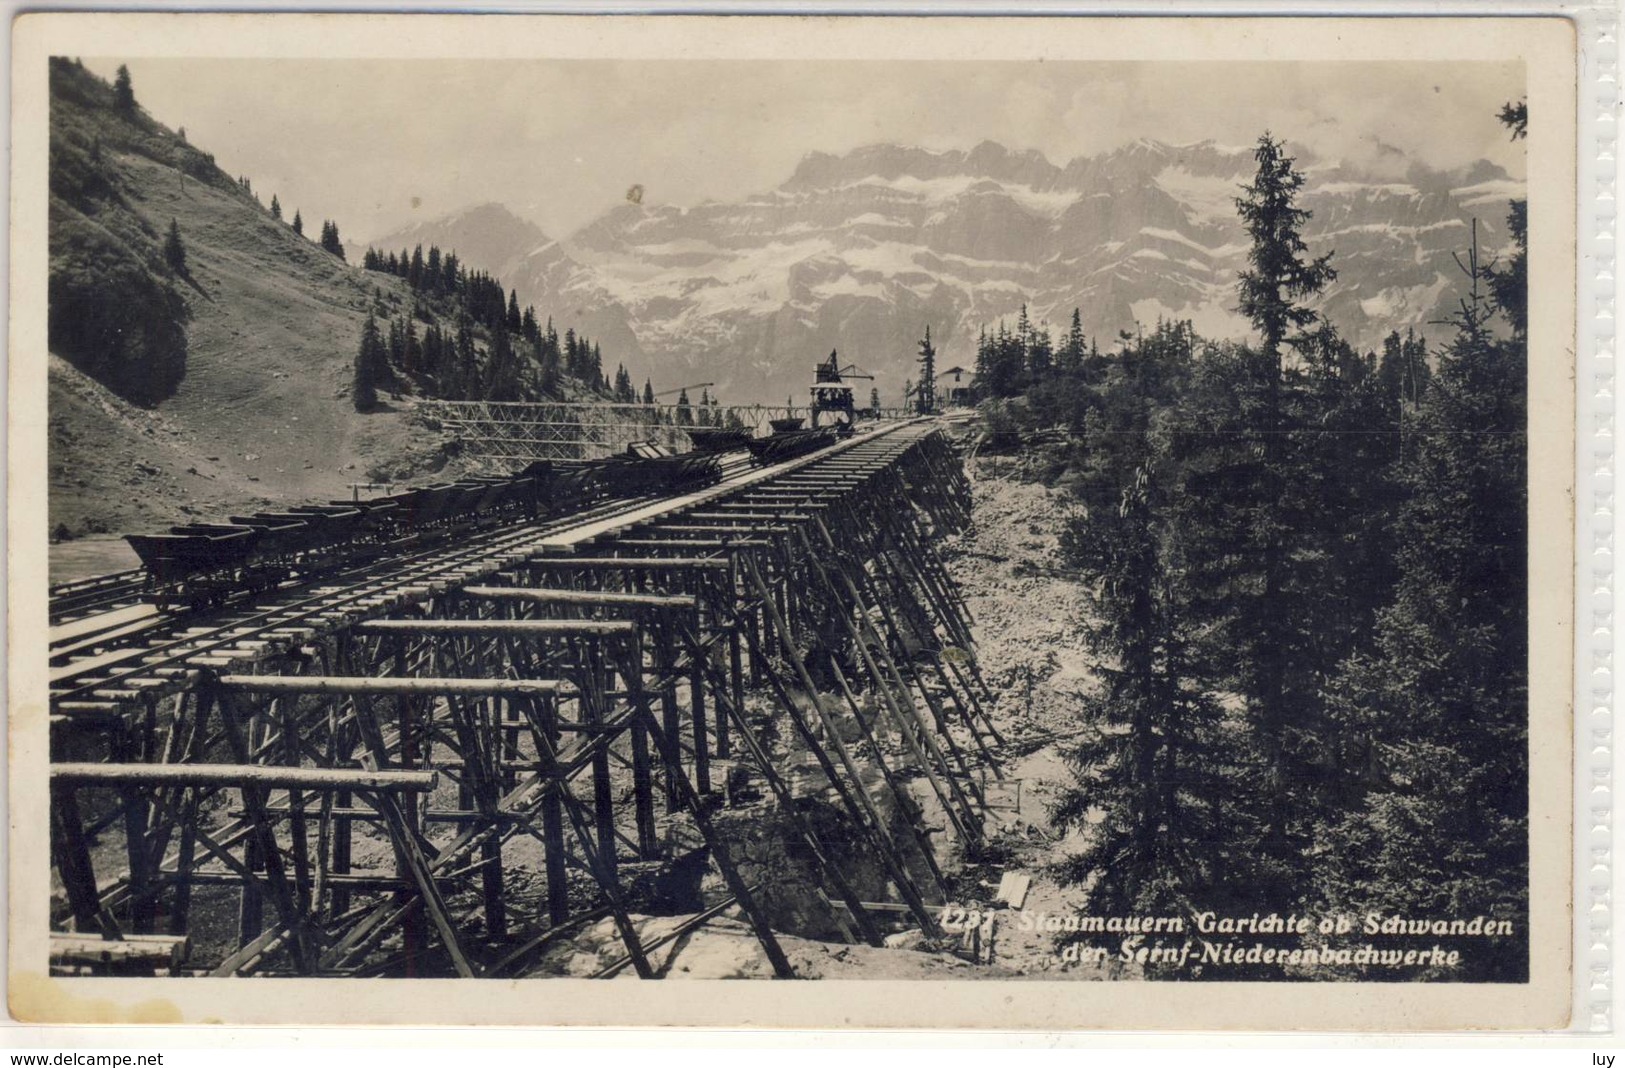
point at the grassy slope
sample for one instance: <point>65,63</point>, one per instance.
<point>263,413</point>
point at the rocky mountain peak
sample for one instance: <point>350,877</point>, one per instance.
<point>861,250</point>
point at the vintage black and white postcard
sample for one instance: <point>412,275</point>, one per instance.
<point>1057,522</point>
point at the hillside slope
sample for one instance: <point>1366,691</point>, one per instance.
<point>261,408</point>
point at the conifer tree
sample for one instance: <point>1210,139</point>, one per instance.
<point>1278,667</point>
<point>685,413</point>
<point>1437,712</point>
<point>298,223</point>
<point>175,249</point>
<point>1155,766</point>
<point>1040,354</point>
<point>369,362</point>
<point>1279,277</point>
<point>276,210</point>
<point>1510,287</point>
<point>648,392</point>
<point>330,238</point>
<point>123,91</point>
<point>502,374</point>
<point>412,356</point>
<point>928,374</point>
<point>1069,360</point>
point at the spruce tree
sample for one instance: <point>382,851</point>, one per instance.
<point>298,223</point>
<point>648,392</point>
<point>1153,777</point>
<point>123,91</point>
<point>369,362</point>
<point>330,238</point>
<point>276,210</point>
<point>175,249</point>
<point>1276,680</point>
<point>1440,708</point>
<point>1437,711</point>
<point>928,374</point>
<point>1069,361</point>
<point>1279,277</point>
<point>502,375</point>
<point>464,373</point>
<point>1040,355</point>
<point>1510,287</point>
<point>685,414</point>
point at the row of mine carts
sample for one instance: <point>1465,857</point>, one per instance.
<point>205,564</point>
<point>788,440</point>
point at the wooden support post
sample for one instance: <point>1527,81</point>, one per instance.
<point>415,867</point>
<point>736,686</point>
<point>892,675</point>
<point>558,889</point>
<point>594,712</point>
<point>643,801</point>
<point>136,808</point>
<point>672,724</point>
<point>342,854</point>
<point>787,804</point>
<point>753,630</point>
<point>696,710</point>
<point>858,809</point>
<point>73,863</point>
<point>251,903</point>
<point>241,738</point>
<point>496,917</point>
<point>724,862</point>
<point>180,907</point>
<point>904,804</point>
<point>606,882</point>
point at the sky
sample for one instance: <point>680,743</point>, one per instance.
<point>379,145</point>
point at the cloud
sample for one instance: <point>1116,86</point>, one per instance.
<point>379,144</point>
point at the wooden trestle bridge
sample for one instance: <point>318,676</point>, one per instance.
<point>335,780</point>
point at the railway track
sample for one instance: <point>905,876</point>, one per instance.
<point>89,597</point>
<point>93,653</point>
<point>100,659</point>
<point>568,677</point>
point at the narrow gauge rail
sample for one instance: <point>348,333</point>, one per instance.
<point>102,659</point>
<point>567,679</point>
<point>87,597</point>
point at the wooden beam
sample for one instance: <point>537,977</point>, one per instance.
<point>632,563</point>
<point>165,950</point>
<point>388,685</point>
<point>593,598</point>
<point>267,776</point>
<point>516,628</point>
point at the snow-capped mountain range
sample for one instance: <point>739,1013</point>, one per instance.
<point>860,252</point>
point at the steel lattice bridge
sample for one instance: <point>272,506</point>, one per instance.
<point>345,778</point>
<point>525,431</point>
